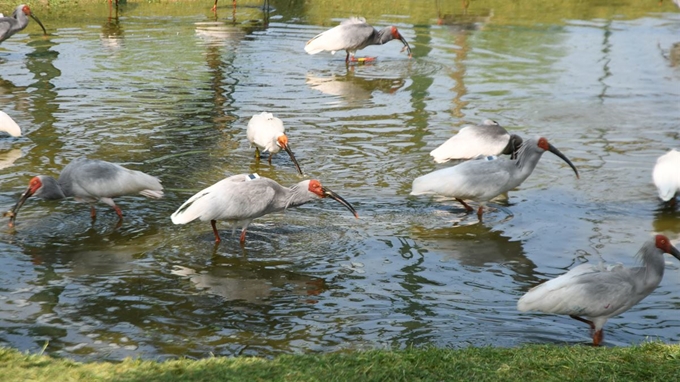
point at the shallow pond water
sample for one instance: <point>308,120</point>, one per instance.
<point>169,89</point>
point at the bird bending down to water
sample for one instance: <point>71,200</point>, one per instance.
<point>482,180</point>
<point>241,198</point>
<point>351,35</point>
<point>8,125</point>
<point>489,138</point>
<point>666,176</point>
<point>89,181</point>
<point>597,292</point>
<point>267,133</point>
<point>17,22</point>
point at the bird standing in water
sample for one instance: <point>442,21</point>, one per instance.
<point>241,198</point>
<point>267,133</point>
<point>352,35</point>
<point>482,180</point>
<point>597,292</point>
<point>17,22</point>
<point>89,181</point>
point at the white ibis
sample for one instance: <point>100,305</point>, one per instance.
<point>267,133</point>
<point>89,181</point>
<point>489,138</point>
<point>241,198</point>
<point>597,292</point>
<point>482,180</point>
<point>351,35</point>
<point>16,22</point>
<point>8,125</point>
<point>666,176</point>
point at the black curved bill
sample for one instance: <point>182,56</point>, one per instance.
<point>675,252</point>
<point>406,46</point>
<point>39,23</point>
<point>557,152</point>
<point>342,201</point>
<point>292,157</point>
<point>14,211</point>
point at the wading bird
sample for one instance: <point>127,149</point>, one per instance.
<point>597,292</point>
<point>241,198</point>
<point>267,133</point>
<point>666,176</point>
<point>89,181</point>
<point>489,138</point>
<point>482,180</point>
<point>8,125</point>
<point>16,22</point>
<point>352,35</point>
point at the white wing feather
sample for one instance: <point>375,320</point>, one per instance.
<point>340,37</point>
<point>263,130</point>
<point>8,125</point>
<point>666,175</point>
<point>471,141</point>
<point>587,290</point>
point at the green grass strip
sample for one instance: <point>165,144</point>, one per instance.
<point>647,362</point>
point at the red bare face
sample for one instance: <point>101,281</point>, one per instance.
<point>395,33</point>
<point>543,143</point>
<point>34,185</point>
<point>282,141</point>
<point>663,243</point>
<point>315,188</point>
<point>26,10</point>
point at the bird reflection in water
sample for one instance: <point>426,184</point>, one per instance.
<point>111,35</point>
<point>235,279</point>
<point>351,87</point>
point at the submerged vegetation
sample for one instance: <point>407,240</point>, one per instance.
<point>647,362</point>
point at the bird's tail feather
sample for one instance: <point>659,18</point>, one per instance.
<point>153,194</point>
<point>185,213</point>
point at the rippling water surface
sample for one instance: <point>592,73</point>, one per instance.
<point>169,89</point>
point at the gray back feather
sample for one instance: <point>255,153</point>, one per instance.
<point>90,178</point>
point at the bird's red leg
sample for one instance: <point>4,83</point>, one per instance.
<point>93,213</point>
<point>597,337</point>
<point>592,326</point>
<point>118,212</point>
<point>467,207</point>
<point>347,57</point>
<point>217,235</point>
<point>214,8</point>
<point>480,211</point>
<point>242,240</point>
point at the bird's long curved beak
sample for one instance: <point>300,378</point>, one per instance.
<point>406,46</point>
<point>342,201</point>
<point>39,23</point>
<point>675,252</point>
<point>14,211</point>
<point>557,152</point>
<point>292,157</point>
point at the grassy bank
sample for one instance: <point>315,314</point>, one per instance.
<point>648,362</point>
